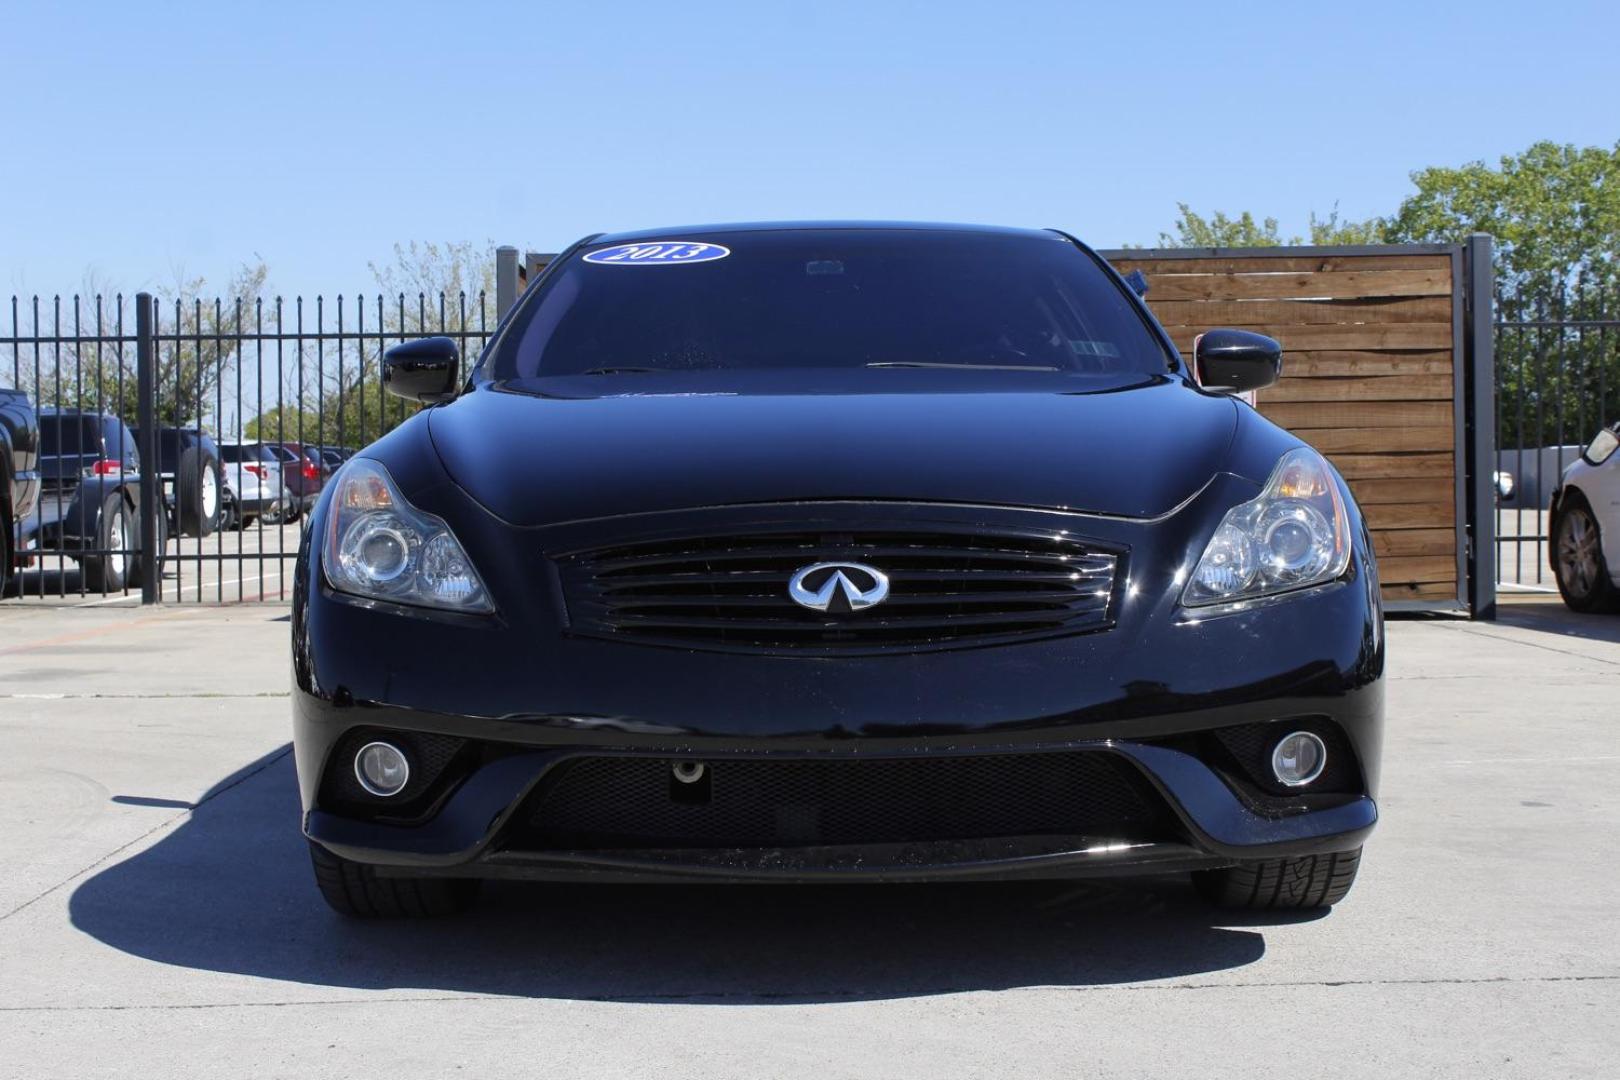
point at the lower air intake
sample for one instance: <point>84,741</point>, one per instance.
<point>608,802</point>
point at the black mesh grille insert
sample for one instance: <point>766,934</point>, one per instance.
<point>607,802</point>
<point>946,590</point>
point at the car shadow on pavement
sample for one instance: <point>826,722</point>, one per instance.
<point>230,890</point>
<point>1552,617</point>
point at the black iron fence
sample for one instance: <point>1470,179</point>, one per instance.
<point>304,376</point>
<point>208,425</point>
<point>1557,383</point>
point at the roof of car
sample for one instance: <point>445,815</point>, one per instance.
<point>54,410</point>
<point>687,231</point>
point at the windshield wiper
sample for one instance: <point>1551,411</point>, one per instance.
<point>963,367</point>
<point>619,371</point>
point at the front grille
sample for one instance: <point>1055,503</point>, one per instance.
<point>946,590</point>
<point>618,803</point>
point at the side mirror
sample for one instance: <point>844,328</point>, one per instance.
<point>1236,360</point>
<point>1602,447</point>
<point>427,370</point>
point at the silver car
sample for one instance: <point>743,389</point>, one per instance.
<point>253,476</point>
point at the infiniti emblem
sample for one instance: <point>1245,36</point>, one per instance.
<point>836,587</point>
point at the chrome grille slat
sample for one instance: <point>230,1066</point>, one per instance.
<point>774,574</point>
<point>861,551</point>
<point>948,589</point>
<point>774,600</point>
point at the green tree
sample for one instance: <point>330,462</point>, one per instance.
<point>1554,213</point>
<point>1193,230</point>
<point>1553,210</point>
<point>195,349</point>
<point>425,289</point>
<point>1336,231</point>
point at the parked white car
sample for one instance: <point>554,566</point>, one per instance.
<point>1585,526</point>
<point>253,476</point>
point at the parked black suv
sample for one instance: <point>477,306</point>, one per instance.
<point>89,502</point>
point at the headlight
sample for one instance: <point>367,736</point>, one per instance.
<point>380,546</point>
<point>1295,534</point>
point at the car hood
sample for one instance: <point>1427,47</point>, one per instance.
<point>539,458</point>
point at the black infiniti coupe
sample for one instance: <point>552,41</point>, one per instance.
<point>835,552</point>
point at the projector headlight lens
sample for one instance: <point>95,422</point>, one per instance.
<point>380,546</point>
<point>1294,534</point>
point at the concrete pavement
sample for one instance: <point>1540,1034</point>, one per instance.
<point>157,918</point>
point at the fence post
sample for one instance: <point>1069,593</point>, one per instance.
<point>506,280</point>
<point>1480,338</point>
<point>146,419</point>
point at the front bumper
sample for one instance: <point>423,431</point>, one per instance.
<point>474,833</point>
<point>1142,694</point>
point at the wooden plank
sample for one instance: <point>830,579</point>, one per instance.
<point>1333,285</point>
<point>1391,466</point>
<point>1432,590</point>
<point>1360,362</point>
<point>1211,313</point>
<point>1418,437</point>
<point>1392,543</point>
<point>1429,591</point>
<point>1381,388</point>
<point>1314,264</point>
<point>1404,490</point>
<point>1425,568</point>
<point>1428,336</point>
<point>1359,414</point>
<point>1411,516</point>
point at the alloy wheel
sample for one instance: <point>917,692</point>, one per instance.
<point>117,559</point>
<point>1578,552</point>
<point>210,495</point>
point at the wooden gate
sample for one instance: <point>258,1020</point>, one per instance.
<point>1375,375</point>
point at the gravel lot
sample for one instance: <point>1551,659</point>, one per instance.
<point>157,917</point>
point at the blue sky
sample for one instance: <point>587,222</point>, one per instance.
<point>143,140</point>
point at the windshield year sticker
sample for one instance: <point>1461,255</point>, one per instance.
<point>663,253</point>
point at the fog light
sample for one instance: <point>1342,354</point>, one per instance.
<point>1298,759</point>
<point>382,769</point>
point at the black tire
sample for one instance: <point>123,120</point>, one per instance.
<point>358,891</point>
<point>1310,881</point>
<point>109,573</point>
<point>136,578</point>
<point>197,465</point>
<point>1577,559</point>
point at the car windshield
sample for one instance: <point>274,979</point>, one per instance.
<point>831,298</point>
